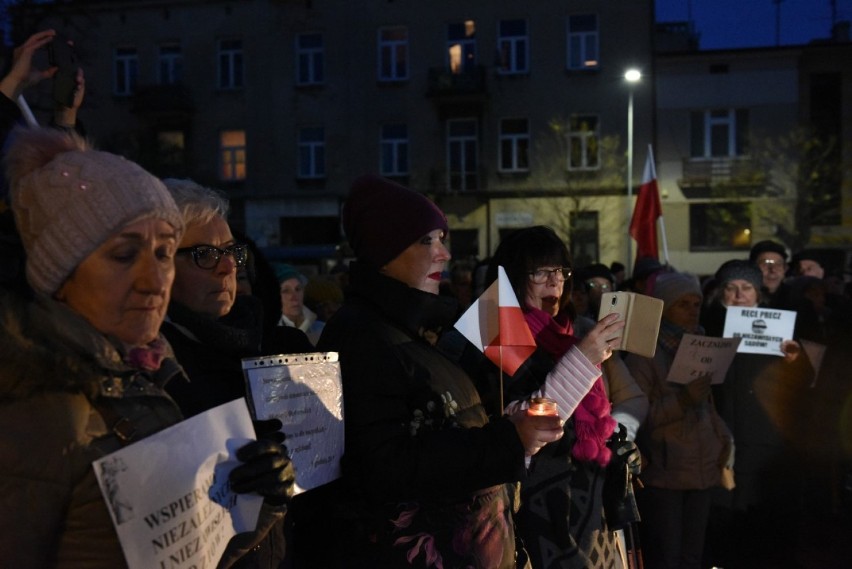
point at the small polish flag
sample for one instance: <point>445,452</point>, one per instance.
<point>495,324</point>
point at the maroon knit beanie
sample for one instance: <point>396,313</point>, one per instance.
<point>382,219</point>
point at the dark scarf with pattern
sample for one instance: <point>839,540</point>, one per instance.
<point>238,333</point>
<point>671,335</point>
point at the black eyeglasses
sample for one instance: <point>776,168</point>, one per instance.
<point>541,276</point>
<point>207,256</point>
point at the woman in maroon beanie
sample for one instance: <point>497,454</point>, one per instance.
<point>426,474</point>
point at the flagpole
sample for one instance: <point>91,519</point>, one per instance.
<point>502,407</point>
<point>660,221</point>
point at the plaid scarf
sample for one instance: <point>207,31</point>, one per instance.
<point>671,335</point>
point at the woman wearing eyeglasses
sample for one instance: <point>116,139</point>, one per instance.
<point>561,518</point>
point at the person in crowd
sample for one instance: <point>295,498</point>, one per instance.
<point>686,445</point>
<point>618,271</point>
<point>764,401</point>
<point>324,296</point>
<point>562,518</point>
<point>645,271</point>
<point>294,313</point>
<point>596,279</point>
<point>83,363</point>
<point>20,76</point>
<point>771,258</point>
<point>808,263</point>
<point>425,474</point>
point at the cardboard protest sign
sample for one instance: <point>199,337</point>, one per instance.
<point>168,494</point>
<point>702,355</point>
<point>762,329</point>
<point>303,391</point>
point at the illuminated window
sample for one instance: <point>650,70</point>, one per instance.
<point>393,54</point>
<point>394,150</point>
<point>126,70</point>
<point>232,152</point>
<point>583,147</point>
<point>170,64</point>
<point>583,42</point>
<point>513,47</point>
<point>312,152</point>
<point>461,46</point>
<point>514,145</point>
<point>310,59</point>
<point>462,151</point>
<point>230,64</point>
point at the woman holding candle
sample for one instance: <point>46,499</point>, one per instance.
<point>561,518</point>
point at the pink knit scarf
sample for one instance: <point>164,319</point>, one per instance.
<point>592,421</point>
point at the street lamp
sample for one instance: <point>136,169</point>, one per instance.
<point>632,76</point>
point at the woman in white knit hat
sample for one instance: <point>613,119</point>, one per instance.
<point>82,365</point>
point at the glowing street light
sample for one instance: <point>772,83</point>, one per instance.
<point>632,76</point>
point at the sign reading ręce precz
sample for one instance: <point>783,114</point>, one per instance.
<point>762,329</point>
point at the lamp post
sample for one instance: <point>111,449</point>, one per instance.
<point>632,76</point>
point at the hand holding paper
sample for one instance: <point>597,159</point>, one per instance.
<point>696,392</point>
<point>266,470</point>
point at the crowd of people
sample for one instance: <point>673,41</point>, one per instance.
<point>127,304</point>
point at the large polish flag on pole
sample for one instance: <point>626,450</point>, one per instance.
<point>647,213</point>
<point>495,324</point>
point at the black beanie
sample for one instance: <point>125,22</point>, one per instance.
<point>382,219</point>
<point>767,246</point>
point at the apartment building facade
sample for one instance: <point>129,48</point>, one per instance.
<point>507,114</point>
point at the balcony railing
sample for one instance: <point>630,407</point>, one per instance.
<point>446,84</point>
<point>721,172</point>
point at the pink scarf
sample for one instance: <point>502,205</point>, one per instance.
<point>592,421</point>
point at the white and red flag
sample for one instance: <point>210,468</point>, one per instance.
<point>643,225</point>
<point>495,324</point>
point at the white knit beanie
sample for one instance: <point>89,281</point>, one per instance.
<point>69,199</point>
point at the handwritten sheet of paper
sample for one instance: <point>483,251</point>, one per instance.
<point>762,329</point>
<point>169,495</point>
<point>303,391</point>
<point>703,355</point>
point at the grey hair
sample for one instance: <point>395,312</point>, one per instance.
<point>197,204</point>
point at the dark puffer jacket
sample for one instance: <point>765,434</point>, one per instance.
<point>425,472</point>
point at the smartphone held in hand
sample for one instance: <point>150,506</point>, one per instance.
<point>641,314</point>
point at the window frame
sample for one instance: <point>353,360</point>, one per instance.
<point>125,71</point>
<point>736,120</point>
<point>466,141</point>
<point>232,158</point>
<point>518,145</point>
<point>583,137</point>
<point>467,43</point>
<point>394,150</point>
<point>391,50</point>
<point>585,40</point>
<point>169,65</point>
<point>310,60</point>
<point>230,64</point>
<point>512,44</point>
<point>312,150</point>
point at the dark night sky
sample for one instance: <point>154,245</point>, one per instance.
<point>751,23</point>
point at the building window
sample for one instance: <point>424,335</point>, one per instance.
<point>126,67</point>
<point>232,152</point>
<point>171,146</point>
<point>583,42</point>
<point>310,59</point>
<point>513,47</point>
<point>514,145</point>
<point>583,147</point>
<point>171,64</point>
<point>584,237</point>
<point>230,64</point>
<point>719,226</point>
<point>462,154</point>
<point>394,150</point>
<point>719,133</point>
<point>461,47</point>
<point>393,54</point>
<point>312,152</point>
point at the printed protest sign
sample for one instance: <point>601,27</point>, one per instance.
<point>169,495</point>
<point>702,355</point>
<point>305,393</point>
<point>762,329</point>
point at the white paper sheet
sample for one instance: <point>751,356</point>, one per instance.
<point>169,496</point>
<point>762,329</point>
<point>703,355</point>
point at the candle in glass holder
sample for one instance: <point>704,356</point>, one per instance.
<point>543,406</point>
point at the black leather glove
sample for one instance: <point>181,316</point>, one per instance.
<point>267,470</point>
<point>269,429</point>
